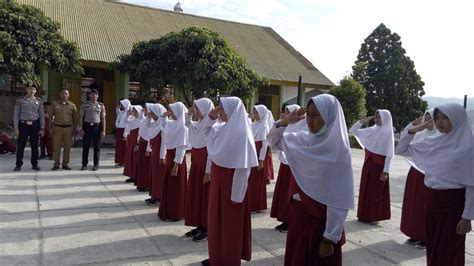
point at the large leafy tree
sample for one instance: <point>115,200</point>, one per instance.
<point>197,61</point>
<point>389,77</point>
<point>351,95</point>
<point>28,39</point>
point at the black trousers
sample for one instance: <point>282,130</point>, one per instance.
<point>91,134</point>
<point>28,132</point>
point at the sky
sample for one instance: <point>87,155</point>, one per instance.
<point>437,35</point>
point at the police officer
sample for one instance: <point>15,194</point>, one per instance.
<point>92,115</point>
<point>28,121</point>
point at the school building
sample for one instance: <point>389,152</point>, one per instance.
<point>105,29</point>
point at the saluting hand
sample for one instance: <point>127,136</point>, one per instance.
<point>417,121</point>
<point>293,117</point>
<point>367,119</point>
<point>420,127</point>
<point>214,113</point>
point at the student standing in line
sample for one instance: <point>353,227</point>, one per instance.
<point>378,142</point>
<point>320,160</point>
<point>130,134</point>
<point>447,162</point>
<point>122,113</point>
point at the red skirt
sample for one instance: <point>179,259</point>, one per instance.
<point>197,193</point>
<point>120,146</point>
<point>229,225</point>
<point>374,195</point>
<point>174,190</point>
<point>305,233</point>
<point>281,195</point>
<point>129,168</point>
<point>413,222</point>
<point>257,186</point>
<point>157,171</point>
<point>269,174</point>
<point>444,209</point>
<point>143,166</point>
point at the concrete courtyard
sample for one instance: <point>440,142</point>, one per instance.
<point>85,217</point>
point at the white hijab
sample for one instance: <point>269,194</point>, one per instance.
<point>135,122</point>
<point>175,131</point>
<point>144,130</point>
<point>231,144</point>
<point>448,156</point>
<point>322,164</point>
<point>120,122</point>
<point>199,131</point>
<point>155,127</point>
<point>378,139</point>
<point>426,133</point>
<point>261,127</point>
<point>301,125</point>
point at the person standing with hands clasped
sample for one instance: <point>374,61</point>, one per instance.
<point>28,121</point>
<point>92,116</point>
<point>446,160</point>
<point>65,119</point>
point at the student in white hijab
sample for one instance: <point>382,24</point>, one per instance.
<point>281,195</point>
<point>259,175</point>
<point>378,142</point>
<point>231,148</point>
<point>143,163</point>
<point>131,133</point>
<point>413,223</point>
<point>157,148</point>
<point>447,161</point>
<point>197,192</point>
<point>320,160</point>
<point>121,112</point>
<point>174,186</point>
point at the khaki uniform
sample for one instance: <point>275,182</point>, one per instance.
<point>65,119</point>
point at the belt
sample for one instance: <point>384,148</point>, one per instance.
<point>28,122</point>
<point>92,124</point>
<point>63,126</point>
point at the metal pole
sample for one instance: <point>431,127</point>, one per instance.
<point>298,100</point>
<point>465,101</point>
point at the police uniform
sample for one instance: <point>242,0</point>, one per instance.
<point>28,119</point>
<point>65,119</point>
<point>92,116</point>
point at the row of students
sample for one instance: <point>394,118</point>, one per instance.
<point>320,190</point>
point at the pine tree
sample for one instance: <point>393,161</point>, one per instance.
<point>389,77</point>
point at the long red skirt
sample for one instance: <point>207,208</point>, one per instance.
<point>174,190</point>
<point>129,168</point>
<point>229,225</point>
<point>444,209</point>
<point>257,185</point>
<point>197,193</point>
<point>143,166</point>
<point>374,195</point>
<point>269,174</point>
<point>157,170</point>
<point>281,195</point>
<point>120,146</point>
<point>413,222</point>
<point>305,234</point>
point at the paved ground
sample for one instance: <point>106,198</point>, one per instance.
<point>85,217</point>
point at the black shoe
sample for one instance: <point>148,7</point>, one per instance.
<point>95,168</point>
<point>129,180</point>
<point>421,245</point>
<point>36,168</point>
<point>153,202</point>
<point>412,242</point>
<point>268,182</point>
<point>66,167</point>
<point>206,262</point>
<point>56,167</point>
<point>50,157</point>
<point>118,165</point>
<point>17,168</point>
<point>192,233</point>
<point>283,227</point>
<point>200,237</point>
<point>84,167</point>
<point>42,157</point>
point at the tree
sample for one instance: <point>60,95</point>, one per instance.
<point>389,77</point>
<point>351,95</point>
<point>28,39</point>
<point>195,60</point>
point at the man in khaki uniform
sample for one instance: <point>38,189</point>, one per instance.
<point>64,117</point>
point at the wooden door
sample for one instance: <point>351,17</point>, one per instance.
<point>109,102</point>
